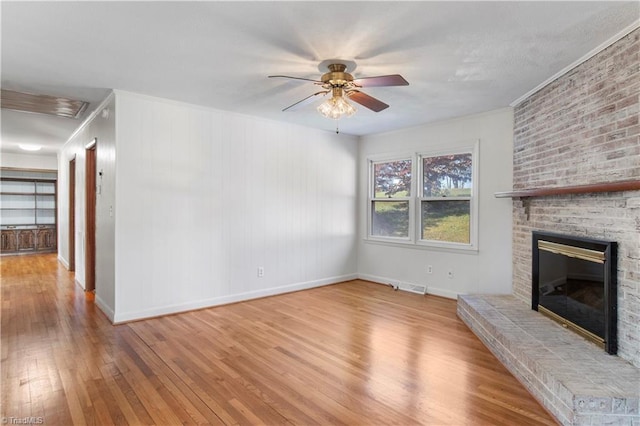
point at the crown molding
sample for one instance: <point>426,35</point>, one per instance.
<point>102,105</point>
<point>626,31</point>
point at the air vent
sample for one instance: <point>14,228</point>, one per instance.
<point>42,104</point>
<point>413,288</point>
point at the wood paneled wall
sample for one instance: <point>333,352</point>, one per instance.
<point>204,198</point>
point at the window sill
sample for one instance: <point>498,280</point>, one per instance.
<point>466,249</point>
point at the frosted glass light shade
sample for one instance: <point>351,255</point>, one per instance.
<point>336,107</point>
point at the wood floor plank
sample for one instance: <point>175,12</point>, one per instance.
<point>354,353</point>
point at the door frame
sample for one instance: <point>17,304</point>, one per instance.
<point>90,215</point>
<point>72,214</point>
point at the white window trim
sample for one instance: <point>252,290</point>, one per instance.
<point>414,239</point>
<point>411,199</point>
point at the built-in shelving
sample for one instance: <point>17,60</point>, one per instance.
<point>27,211</point>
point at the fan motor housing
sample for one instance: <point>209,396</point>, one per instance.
<point>337,77</point>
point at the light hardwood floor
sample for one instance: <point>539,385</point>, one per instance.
<point>354,353</point>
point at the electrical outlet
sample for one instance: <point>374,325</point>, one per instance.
<point>260,271</point>
<point>450,275</point>
<point>430,269</point>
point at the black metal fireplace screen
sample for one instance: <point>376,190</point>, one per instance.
<point>574,283</point>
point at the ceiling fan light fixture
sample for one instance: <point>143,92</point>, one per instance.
<point>336,106</point>
<point>343,86</point>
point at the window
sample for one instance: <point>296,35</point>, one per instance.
<point>390,203</point>
<point>445,204</point>
<point>425,199</point>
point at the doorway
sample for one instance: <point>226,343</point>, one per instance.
<point>90,217</point>
<point>72,215</point>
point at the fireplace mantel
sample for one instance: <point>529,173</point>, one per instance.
<point>625,185</point>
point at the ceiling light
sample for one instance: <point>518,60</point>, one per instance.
<point>336,106</point>
<point>42,104</point>
<point>30,147</point>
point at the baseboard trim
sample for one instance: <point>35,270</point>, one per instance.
<point>119,318</point>
<point>442,293</point>
<point>399,283</point>
<point>79,284</point>
<point>64,262</point>
<point>105,308</point>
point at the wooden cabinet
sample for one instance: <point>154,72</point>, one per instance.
<point>26,240</point>
<point>27,211</point>
<point>46,239</point>
<point>8,241</point>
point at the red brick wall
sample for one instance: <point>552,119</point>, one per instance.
<point>582,129</point>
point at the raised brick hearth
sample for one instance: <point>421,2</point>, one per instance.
<point>575,380</point>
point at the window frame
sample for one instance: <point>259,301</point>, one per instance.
<point>473,198</point>
<point>371,198</point>
<point>414,239</point>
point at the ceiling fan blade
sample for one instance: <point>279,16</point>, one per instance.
<point>305,101</point>
<point>367,101</point>
<point>382,80</point>
<point>295,78</point>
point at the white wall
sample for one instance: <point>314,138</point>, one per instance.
<point>205,197</point>
<point>101,127</point>
<point>489,269</point>
<point>201,198</point>
<point>29,161</point>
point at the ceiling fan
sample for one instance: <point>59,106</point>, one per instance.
<point>343,86</point>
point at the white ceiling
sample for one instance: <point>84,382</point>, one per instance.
<point>459,57</point>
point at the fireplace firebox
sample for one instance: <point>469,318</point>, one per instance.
<point>574,282</point>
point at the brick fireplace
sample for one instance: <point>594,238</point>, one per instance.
<point>576,166</point>
<point>583,129</point>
